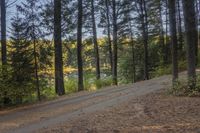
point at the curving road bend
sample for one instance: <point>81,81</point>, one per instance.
<point>43,115</point>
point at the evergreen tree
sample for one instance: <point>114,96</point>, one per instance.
<point>115,42</point>
<point>143,17</point>
<point>173,35</point>
<point>21,60</point>
<point>179,26</point>
<point>191,40</point>
<point>29,9</point>
<point>79,45</point>
<point>68,25</point>
<point>162,38</point>
<point>166,59</point>
<point>59,81</point>
<point>96,46</point>
<point>68,18</point>
<point>105,24</point>
<point>3,32</point>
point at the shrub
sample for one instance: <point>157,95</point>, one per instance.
<point>181,88</point>
<point>103,83</point>
<point>71,85</point>
<point>162,70</point>
<point>182,65</point>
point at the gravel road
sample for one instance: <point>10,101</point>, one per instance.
<point>32,118</point>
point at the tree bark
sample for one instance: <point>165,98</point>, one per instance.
<point>180,33</point>
<point>108,34</point>
<point>36,70</point>
<point>3,44</point>
<point>191,40</point>
<point>79,46</point>
<point>59,81</point>
<point>96,47</point>
<point>197,6</point>
<point>162,38</point>
<point>133,58</point>
<point>167,46</point>
<point>115,45</point>
<point>173,34</point>
<point>3,33</point>
<point>144,21</point>
<point>37,84</point>
<point>133,52</point>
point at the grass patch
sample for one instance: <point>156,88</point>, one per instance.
<point>103,83</point>
<point>71,86</point>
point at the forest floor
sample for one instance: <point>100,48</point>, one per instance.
<point>143,107</point>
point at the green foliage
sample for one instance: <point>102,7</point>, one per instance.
<point>17,83</point>
<point>90,83</point>
<point>45,54</point>
<point>198,61</point>
<point>47,88</point>
<point>182,65</point>
<point>103,83</point>
<point>126,70</point>
<point>11,91</point>
<point>21,56</point>
<point>5,84</point>
<point>181,88</point>
<point>71,85</point>
<point>164,70</point>
<point>48,92</point>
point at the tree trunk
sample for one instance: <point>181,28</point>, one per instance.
<point>180,33</point>
<point>79,46</point>
<point>3,33</point>
<point>199,9</point>
<point>3,44</point>
<point>162,38</point>
<point>96,48</point>
<point>167,47</point>
<point>108,34</point>
<point>37,84</point>
<point>173,34</point>
<point>145,37</point>
<point>197,23</point>
<point>133,58</point>
<point>115,47</point>
<point>198,14</point>
<point>59,81</point>
<point>191,40</point>
<point>133,52</point>
<point>36,70</point>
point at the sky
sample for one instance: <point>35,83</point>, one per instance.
<point>12,10</point>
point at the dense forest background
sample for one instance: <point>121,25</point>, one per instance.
<point>57,47</point>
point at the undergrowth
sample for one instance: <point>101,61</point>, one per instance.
<point>181,88</point>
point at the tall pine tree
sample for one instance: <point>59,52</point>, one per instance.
<point>21,60</point>
<point>29,10</point>
<point>191,40</point>
<point>174,43</point>
<point>59,81</point>
<point>79,45</point>
<point>3,33</point>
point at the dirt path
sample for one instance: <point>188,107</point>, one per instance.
<point>152,113</point>
<point>68,108</point>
